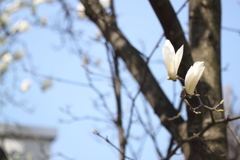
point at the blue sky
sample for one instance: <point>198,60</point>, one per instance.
<point>140,25</point>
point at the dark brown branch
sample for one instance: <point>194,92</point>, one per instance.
<point>135,64</point>
<point>173,31</point>
<point>200,134</point>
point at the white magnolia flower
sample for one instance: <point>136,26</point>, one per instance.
<point>46,84</point>
<point>43,21</point>
<point>192,77</point>
<point>15,6</point>
<point>2,40</point>
<point>81,11</point>
<point>7,58</point>
<point>98,34</point>
<point>4,19</point>
<point>98,62</point>
<point>171,60</point>
<point>20,26</point>
<point>3,67</point>
<point>25,85</point>
<point>18,54</point>
<point>105,3</point>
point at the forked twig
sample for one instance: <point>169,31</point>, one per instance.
<point>109,142</point>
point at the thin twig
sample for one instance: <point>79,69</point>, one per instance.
<point>106,139</point>
<point>62,80</point>
<point>234,133</point>
<point>199,134</point>
<point>230,29</point>
<point>150,133</point>
<point>181,8</point>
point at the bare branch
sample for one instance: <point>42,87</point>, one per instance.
<point>234,133</point>
<point>200,134</point>
<point>134,62</point>
<point>109,142</point>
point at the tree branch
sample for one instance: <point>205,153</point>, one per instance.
<point>135,64</point>
<point>173,31</point>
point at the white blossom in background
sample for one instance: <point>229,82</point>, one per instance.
<point>15,6</point>
<point>43,21</point>
<point>105,3</point>
<point>85,60</point>
<point>171,60</point>
<point>2,40</point>
<point>18,54</point>
<point>25,85</point>
<point>20,26</point>
<point>3,67</point>
<point>98,62</point>
<point>7,58</point>
<point>46,84</point>
<point>4,19</point>
<point>81,11</point>
<point>192,77</point>
<point>98,35</point>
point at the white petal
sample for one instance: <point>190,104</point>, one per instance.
<point>105,3</point>
<point>16,5</point>
<point>46,84</point>
<point>193,75</point>
<point>4,19</point>
<point>198,70</point>
<point>198,64</point>
<point>168,58</point>
<point>81,11</point>
<point>169,44</point>
<point>178,58</point>
<point>25,85</point>
<point>7,58</point>
<point>188,79</point>
<point>80,7</point>
<point>18,54</point>
<point>3,67</point>
<point>20,26</point>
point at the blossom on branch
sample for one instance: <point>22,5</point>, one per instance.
<point>81,11</point>
<point>171,60</point>
<point>192,77</point>
<point>105,3</point>
<point>25,85</point>
<point>18,54</point>
<point>20,26</point>
<point>7,58</point>
<point>15,6</point>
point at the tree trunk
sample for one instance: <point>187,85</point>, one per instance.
<point>204,32</point>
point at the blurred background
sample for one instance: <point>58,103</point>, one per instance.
<point>55,79</point>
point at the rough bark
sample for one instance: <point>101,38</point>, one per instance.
<point>173,31</point>
<point>204,32</point>
<point>205,46</point>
